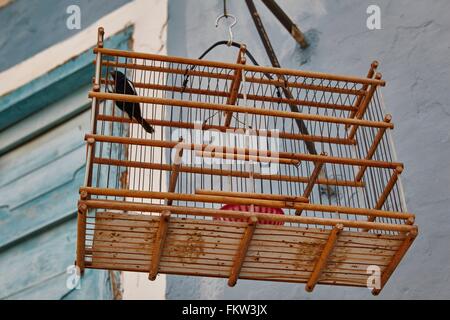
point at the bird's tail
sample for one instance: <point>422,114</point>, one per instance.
<point>147,126</point>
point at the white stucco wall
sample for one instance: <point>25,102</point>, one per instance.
<point>413,48</point>
<point>150,30</point>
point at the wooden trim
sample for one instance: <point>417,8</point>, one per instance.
<point>241,109</point>
<point>301,73</point>
<point>148,207</point>
<point>246,201</point>
<point>324,256</point>
<point>373,148</point>
<point>220,172</point>
<point>158,245</point>
<point>409,239</point>
<point>200,147</point>
<point>242,251</point>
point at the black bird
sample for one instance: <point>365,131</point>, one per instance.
<point>123,85</point>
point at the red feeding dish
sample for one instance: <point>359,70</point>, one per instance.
<point>244,207</point>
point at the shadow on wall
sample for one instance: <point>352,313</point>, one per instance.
<point>303,56</point>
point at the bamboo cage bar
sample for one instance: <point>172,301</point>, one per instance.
<point>287,84</point>
<point>249,201</point>
<point>275,82</point>
<point>255,97</point>
<point>387,190</point>
<point>235,84</point>
<point>373,148</point>
<point>176,169</point>
<point>81,236</point>
<point>96,87</point>
<point>390,185</point>
<point>222,172</point>
<point>263,173</point>
<point>324,256</point>
<point>263,133</point>
<point>94,109</point>
<point>312,181</point>
<point>370,74</point>
<point>252,195</point>
<point>89,160</point>
<point>246,151</point>
<point>158,247</point>
<point>226,107</point>
<point>238,156</point>
<point>147,207</point>
<point>363,107</point>
<point>409,239</point>
<point>225,65</point>
<point>242,251</point>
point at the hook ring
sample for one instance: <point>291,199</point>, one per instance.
<point>230,32</point>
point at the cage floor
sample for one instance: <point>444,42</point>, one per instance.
<point>122,241</point>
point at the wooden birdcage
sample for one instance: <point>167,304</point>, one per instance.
<point>234,144</point>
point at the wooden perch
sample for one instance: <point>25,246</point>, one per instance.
<point>252,195</point>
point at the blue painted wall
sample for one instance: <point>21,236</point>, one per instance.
<point>39,180</point>
<point>30,26</point>
<point>414,54</point>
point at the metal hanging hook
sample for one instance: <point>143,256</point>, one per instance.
<point>230,32</point>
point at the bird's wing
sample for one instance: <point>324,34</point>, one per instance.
<point>132,86</point>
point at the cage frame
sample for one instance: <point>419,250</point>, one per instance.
<point>246,232</point>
